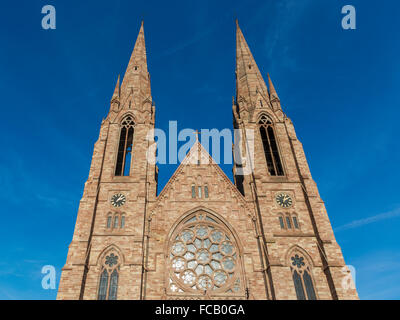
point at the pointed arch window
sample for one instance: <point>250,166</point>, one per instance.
<point>112,292</point>
<point>206,191</point>
<point>108,283</point>
<point>302,279</point>
<point>103,285</point>
<point>271,151</point>
<point>115,221</point>
<point>125,147</point>
<point>193,191</point>
<point>289,221</point>
<point>109,220</point>
<point>199,194</point>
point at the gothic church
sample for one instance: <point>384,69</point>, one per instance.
<point>265,236</point>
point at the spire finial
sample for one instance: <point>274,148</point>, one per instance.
<point>134,86</point>
<point>251,82</point>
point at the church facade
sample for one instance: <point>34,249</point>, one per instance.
<point>265,236</point>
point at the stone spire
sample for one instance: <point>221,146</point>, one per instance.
<point>249,82</point>
<point>135,87</point>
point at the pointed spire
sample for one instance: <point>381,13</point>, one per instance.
<point>136,83</point>
<point>246,68</point>
<point>116,91</point>
<point>272,92</point>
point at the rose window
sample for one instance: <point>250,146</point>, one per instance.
<point>203,256</point>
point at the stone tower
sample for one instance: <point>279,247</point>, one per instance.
<point>121,183</point>
<point>292,218</point>
<point>266,236</point>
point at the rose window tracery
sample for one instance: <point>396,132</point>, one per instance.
<point>203,256</point>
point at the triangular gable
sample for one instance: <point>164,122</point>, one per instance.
<point>205,159</point>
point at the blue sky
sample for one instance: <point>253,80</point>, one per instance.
<point>340,88</point>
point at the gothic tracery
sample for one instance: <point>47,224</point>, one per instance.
<point>203,256</point>
<point>302,276</point>
<point>108,282</point>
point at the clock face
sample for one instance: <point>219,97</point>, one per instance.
<point>284,200</point>
<point>118,200</point>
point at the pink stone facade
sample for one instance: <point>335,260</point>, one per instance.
<point>263,250</point>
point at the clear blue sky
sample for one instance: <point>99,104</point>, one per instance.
<point>340,88</point>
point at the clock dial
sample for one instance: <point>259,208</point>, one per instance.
<point>284,200</point>
<point>118,200</point>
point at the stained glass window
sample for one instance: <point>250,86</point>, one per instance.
<point>309,286</point>
<point>103,285</point>
<point>111,260</point>
<point>298,285</point>
<point>301,273</point>
<point>206,191</point>
<point>204,256</point>
<point>108,283</point>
